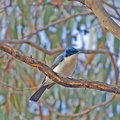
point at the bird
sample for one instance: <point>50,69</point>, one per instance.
<point>64,65</point>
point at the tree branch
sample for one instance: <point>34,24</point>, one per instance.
<point>80,113</point>
<point>67,82</point>
<point>100,12</point>
<point>58,21</point>
<point>52,52</point>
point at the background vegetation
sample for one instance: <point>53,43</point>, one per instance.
<point>42,29</point>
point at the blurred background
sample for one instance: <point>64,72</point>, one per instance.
<point>43,29</point>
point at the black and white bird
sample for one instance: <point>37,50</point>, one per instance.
<point>64,65</point>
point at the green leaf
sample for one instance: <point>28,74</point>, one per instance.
<point>90,73</point>
<point>77,109</point>
<point>48,14</point>
<point>15,102</point>
<point>21,5</point>
<point>56,37</point>
<point>82,21</point>
<point>102,39</point>
<point>116,45</point>
<point>2,115</point>
<point>69,23</point>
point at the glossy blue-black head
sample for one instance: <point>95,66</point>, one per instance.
<point>70,51</point>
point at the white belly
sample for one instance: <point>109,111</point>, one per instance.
<point>65,68</point>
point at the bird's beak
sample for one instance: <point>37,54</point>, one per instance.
<point>79,52</point>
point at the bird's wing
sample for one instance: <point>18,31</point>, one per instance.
<point>40,91</point>
<point>56,62</point>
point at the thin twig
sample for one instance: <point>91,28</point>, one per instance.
<point>103,16</point>
<point>52,52</point>
<point>115,8</point>
<point>17,89</point>
<point>80,113</point>
<point>57,22</point>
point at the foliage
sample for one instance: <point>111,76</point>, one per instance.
<point>43,23</point>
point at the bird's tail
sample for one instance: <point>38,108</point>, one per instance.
<point>35,97</point>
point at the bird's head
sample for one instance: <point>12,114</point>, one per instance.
<point>70,51</point>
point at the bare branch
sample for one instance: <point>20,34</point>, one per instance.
<point>67,82</point>
<point>80,113</point>
<point>17,89</point>
<point>115,8</point>
<point>52,52</point>
<point>106,20</point>
<point>58,21</point>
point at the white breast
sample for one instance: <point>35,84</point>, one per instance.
<point>65,68</point>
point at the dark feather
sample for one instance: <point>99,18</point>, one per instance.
<point>56,62</point>
<point>35,97</point>
<point>69,51</point>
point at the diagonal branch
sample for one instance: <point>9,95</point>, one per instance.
<point>57,22</point>
<point>67,82</point>
<point>52,52</point>
<point>103,16</point>
<point>56,50</point>
<point>80,113</point>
